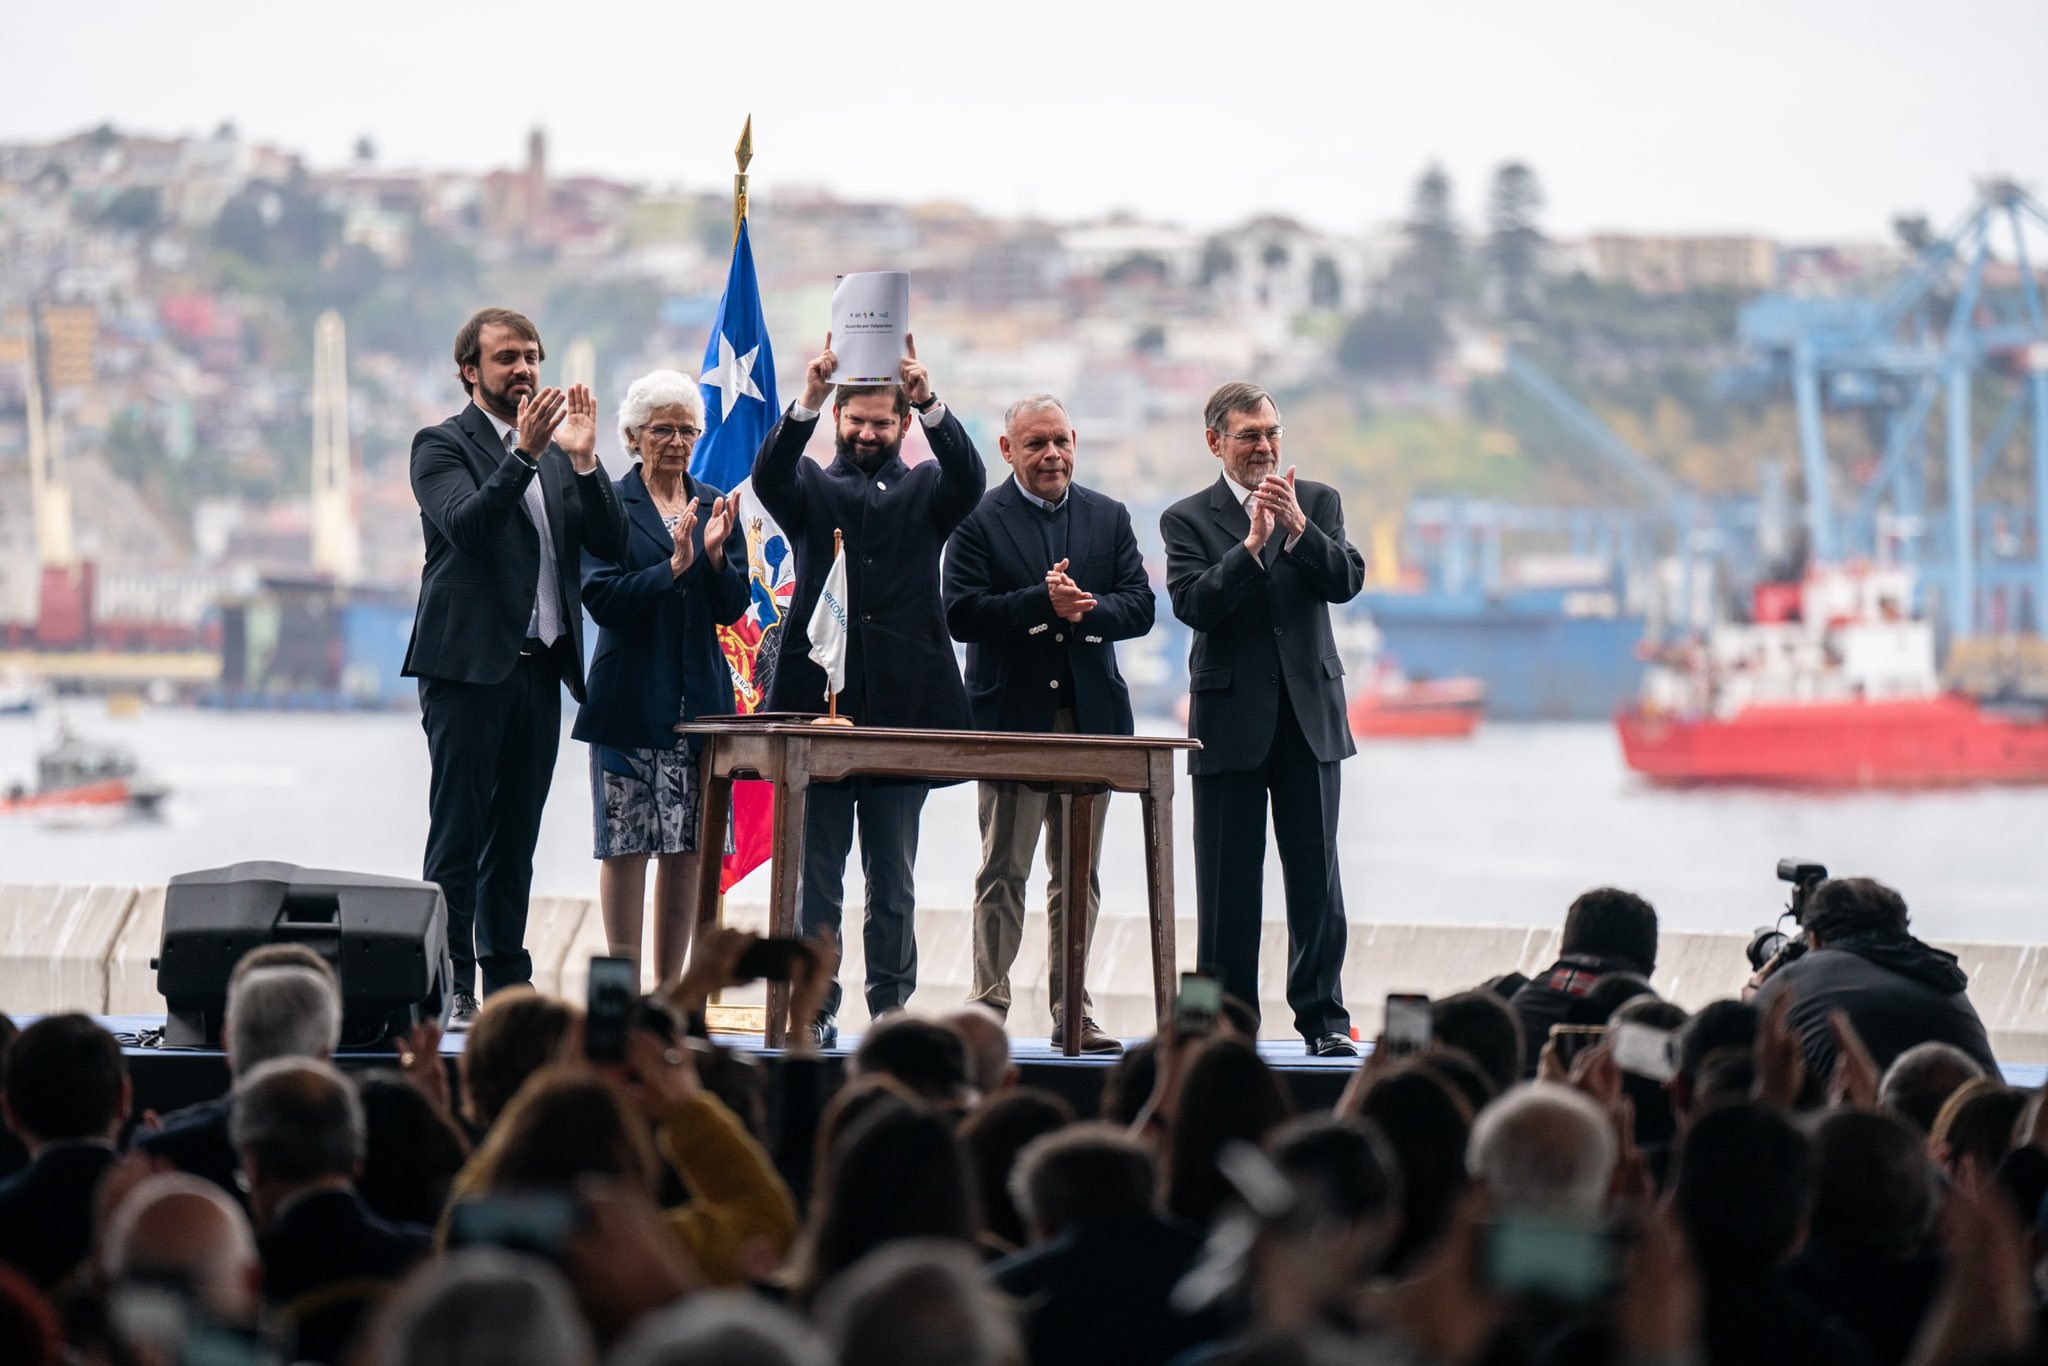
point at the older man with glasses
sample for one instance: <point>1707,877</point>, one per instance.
<point>1253,563</point>
<point>658,607</point>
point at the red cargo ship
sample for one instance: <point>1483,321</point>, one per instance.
<point>1830,685</point>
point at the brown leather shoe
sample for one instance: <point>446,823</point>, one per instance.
<point>1093,1040</point>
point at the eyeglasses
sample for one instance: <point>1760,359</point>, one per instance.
<point>662,433</point>
<point>1250,435</point>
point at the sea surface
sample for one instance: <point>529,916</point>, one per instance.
<point>1504,828</point>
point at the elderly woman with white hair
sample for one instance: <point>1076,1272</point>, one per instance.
<point>658,662</point>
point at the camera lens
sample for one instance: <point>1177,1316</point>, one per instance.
<point>1764,946</point>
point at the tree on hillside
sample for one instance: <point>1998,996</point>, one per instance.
<point>1429,266</point>
<point>1513,241</point>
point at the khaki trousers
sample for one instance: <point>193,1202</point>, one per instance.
<point>1011,817</point>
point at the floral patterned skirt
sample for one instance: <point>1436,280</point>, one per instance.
<point>643,801</point>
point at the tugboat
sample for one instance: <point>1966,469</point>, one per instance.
<point>1832,684</point>
<point>78,773</point>
<point>1392,705</point>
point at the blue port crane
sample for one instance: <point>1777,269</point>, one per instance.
<point>1965,318</point>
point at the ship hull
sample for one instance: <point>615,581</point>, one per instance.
<point>1946,741</point>
<point>1447,710</point>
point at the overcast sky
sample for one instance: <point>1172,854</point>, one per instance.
<point>1797,118</point>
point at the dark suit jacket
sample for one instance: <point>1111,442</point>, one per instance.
<point>1098,1293</point>
<point>657,638</point>
<point>195,1139</point>
<point>1017,646</point>
<point>900,669</point>
<point>323,1260</point>
<point>483,555</point>
<point>1260,626</point>
<point>46,1211</point>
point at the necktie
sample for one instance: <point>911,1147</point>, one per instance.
<point>547,602</point>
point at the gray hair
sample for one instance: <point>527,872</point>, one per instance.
<point>1029,404</point>
<point>483,1307</point>
<point>655,390</point>
<point>722,1328</point>
<point>1238,396</point>
<point>1544,1148</point>
<point>919,1302</point>
<point>988,1045</point>
<point>281,1013</point>
<point>301,1119</point>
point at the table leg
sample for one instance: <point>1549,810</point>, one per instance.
<point>792,792</point>
<point>714,809</point>
<point>1078,811</point>
<point>1157,802</point>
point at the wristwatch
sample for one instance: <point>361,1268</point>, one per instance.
<point>927,405</point>
<point>526,455</point>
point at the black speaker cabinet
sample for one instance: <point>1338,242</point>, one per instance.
<point>386,937</point>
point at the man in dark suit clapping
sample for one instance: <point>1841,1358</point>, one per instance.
<point>510,495</point>
<point>1042,580</point>
<point>1253,563</point>
<point>900,669</point>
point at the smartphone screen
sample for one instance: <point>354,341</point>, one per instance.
<point>614,994</point>
<point>770,959</point>
<point>1569,1262</point>
<point>1199,1003</point>
<point>1407,1024</point>
<point>539,1222</point>
<point>1645,1050</point>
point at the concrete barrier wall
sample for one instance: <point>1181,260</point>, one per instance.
<point>89,948</point>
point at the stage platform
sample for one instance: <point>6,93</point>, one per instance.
<point>167,1079</point>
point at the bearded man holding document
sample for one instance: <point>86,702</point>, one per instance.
<point>899,665</point>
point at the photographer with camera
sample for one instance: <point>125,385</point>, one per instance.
<point>1857,956</point>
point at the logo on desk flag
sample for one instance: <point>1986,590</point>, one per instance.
<point>740,406</point>
<point>828,626</point>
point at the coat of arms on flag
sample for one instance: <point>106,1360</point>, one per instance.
<point>739,408</point>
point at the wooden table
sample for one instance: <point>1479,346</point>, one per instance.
<point>791,753</point>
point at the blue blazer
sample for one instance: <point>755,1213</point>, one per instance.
<point>656,635</point>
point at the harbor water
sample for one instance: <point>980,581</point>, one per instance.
<point>1504,828</point>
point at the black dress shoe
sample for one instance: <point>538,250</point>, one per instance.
<point>825,1032</point>
<point>1332,1046</point>
<point>463,1015</point>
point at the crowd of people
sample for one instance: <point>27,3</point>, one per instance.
<point>1832,1172</point>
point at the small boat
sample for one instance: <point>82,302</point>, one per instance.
<point>1393,706</point>
<point>18,695</point>
<point>79,773</point>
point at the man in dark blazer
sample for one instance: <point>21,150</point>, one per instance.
<point>1253,563</point>
<point>507,510</point>
<point>67,1096</point>
<point>900,669</point>
<point>1042,580</point>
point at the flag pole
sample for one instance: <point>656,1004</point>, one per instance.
<point>832,716</point>
<point>743,153</point>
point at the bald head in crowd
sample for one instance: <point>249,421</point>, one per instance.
<point>988,1047</point>
<point>186,1230</point>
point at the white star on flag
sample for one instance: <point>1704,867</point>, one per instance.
<point>734,377</point>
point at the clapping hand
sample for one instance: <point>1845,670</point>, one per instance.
<point>537,419</point>
<point>577,434</point>
<point>1262,523</point>
<point>686,549</point>
<point>1276,494</point>
<point>725,515</point>
<point>1069,600</point>
<point>818,378</point>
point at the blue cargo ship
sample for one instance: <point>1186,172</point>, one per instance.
<point>1544,654</point>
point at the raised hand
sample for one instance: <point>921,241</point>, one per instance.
<point>917,381</point>
<point>1276,493</point>
<point>538,417</point>
<point>725,515</point>
<point>818,378</point>
<point>686,549</point>
<point>578,433</point>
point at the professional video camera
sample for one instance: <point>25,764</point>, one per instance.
<point>1771,942</point>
